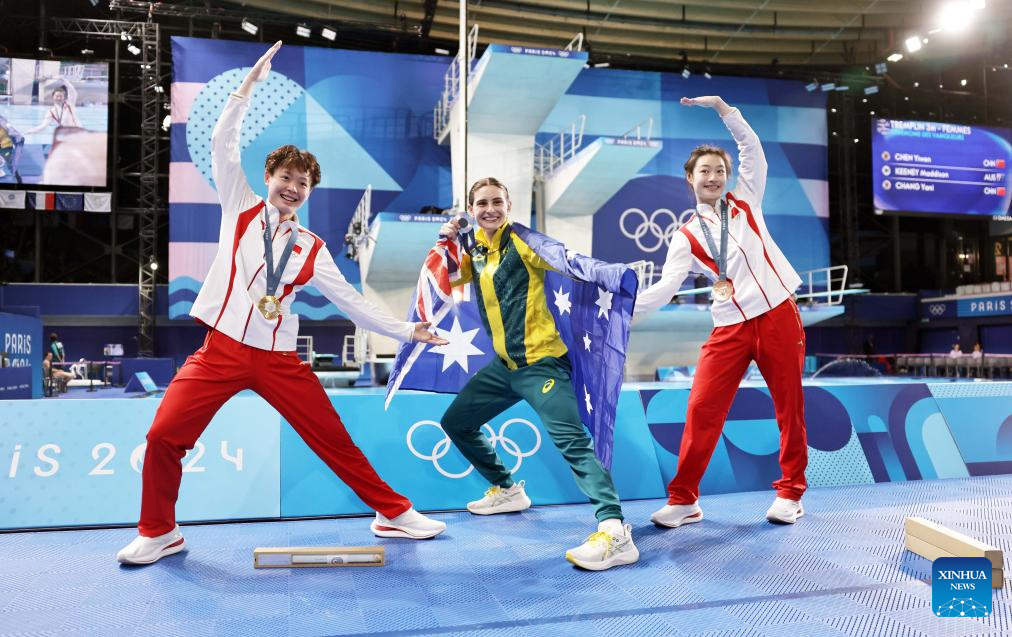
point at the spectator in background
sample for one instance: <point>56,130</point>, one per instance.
<point>56,348</point>
<point>955,352</point>
<point>978,351</point>
<point>869,346</point>
<point>60,377</point>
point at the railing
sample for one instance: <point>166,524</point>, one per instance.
<point>358,227</point>
<point>644,273</point>
<point>824,283</point>
<point>355,349</point>
<point>451,85</point>
<point>833,289</point>
<point>304,349</point>
<point>576,44</point>
<point>637,131</point>
<point>550,156</point>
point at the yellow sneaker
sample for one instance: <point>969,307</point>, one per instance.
<point>603,550</point>
<point>499,500</point>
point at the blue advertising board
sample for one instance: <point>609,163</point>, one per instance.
<point>409,450</point>
<point>23,347</point>
<point>77,462</point>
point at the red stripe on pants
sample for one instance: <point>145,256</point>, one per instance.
<point>215,373</point>
<point>776,341</point>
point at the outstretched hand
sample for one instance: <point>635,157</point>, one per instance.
<point>423,334</point>
<point>259,71</point>
<point>709,101</point>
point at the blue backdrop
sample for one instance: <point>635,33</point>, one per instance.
<point>368,118</point>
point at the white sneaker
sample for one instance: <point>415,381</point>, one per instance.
<point>603,550</point>
<point>145,550</point>
<point>499,500</point>
<point>410,524</point>
<point>785,511</point>
<point>675,515</point>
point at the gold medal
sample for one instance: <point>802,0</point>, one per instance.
<point>270,307</point>
<point>723,290</point>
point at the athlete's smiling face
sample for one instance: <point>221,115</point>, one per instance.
<point>490,207</point>
<point>708,178</point>
<point>287,189</point>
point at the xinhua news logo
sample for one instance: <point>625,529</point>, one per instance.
<point>961,587</point>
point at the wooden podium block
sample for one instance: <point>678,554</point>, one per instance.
<point>932,541</point>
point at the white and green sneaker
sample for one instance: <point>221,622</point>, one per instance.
<point>499,500</point>
<point>603,550</point>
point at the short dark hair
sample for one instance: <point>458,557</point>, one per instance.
<point>61,88</point>
<point>706,149</point>
<point>290,156</point>
<point>487,181</point>
<point>53,336</point>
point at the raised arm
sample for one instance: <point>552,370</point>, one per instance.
<point>71,93</point>
<point>234,191</point>
<point>676,268</point>
<point>751,159</point>
<point>328,279</point>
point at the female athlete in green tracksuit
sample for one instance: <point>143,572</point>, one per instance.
<point>531,365</point>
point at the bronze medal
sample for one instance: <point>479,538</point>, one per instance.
<point>723,290</point>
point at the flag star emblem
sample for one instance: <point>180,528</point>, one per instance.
<point>562,302</point>
<point>586,341</point>
<point>586,399</point>
<point>603,302</point>
<point>459,347</point>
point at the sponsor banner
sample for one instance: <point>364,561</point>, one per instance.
<point>411,453</point>
<point>78,462</point>
<point>23,347</point>
<point>985,306</point>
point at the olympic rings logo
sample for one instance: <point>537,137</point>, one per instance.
<point>442,447</point>
<point>651,228</point>
<point>937,309</point>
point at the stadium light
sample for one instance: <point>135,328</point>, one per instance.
<point>686,73</point>
<point>895,57</point>
<point>828,86</point>
<point>134,49</point>
<point>328,34</point>
<point>446,52</point>
<point>955,16</point>
<point>842,88</point>
<point>249,27</point>
<point>913,43</point>
<point>303,31</point>
<point>962,82</point>
<point>602,65</point>
<point>870,90</point>
<point>811,87</point>
<point>881,68</point>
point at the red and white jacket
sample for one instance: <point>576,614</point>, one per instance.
<point>761,275</point>
<point>236,281</point>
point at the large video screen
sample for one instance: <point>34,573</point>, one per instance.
<point>54,122</point>
<point>934,167</point>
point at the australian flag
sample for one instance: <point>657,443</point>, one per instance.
<point>591,301</point>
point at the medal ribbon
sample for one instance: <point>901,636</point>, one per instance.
<point>720,258</point>
<point>274,275</point>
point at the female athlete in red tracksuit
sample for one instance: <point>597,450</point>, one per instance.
<point>250,343</point>
<point>755,319</point>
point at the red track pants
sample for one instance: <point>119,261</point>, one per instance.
<point>776,341</point>
<point>215,373</point>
